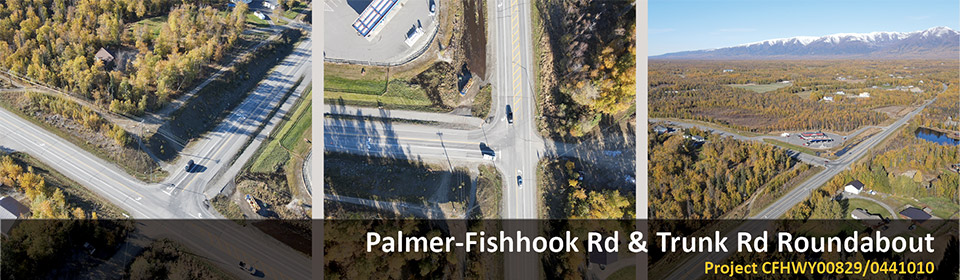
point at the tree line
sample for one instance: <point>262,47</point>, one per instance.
<point>701,90</point>
<point>54,42</point>
<point>588,65</point>
<point>690,180</point>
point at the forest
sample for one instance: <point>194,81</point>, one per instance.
<point>44,202</point>
<point>689,180</point>
<point>584,74</point>
<point>713,91</point>
<point>567,196</point>
<point>54,42</point>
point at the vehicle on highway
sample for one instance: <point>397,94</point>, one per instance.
<point>190,165</point>
<point>488,153</point>
<point>509,115</point>
<point>519,179</point>
<point>248,268</point>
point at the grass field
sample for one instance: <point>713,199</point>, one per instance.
<point>297,8</point>
<point>761,88</point>
<point>286,139</point>
<point>870,206</point>
<point>801,149</point>
<point>254,20</point>
<point>399,95</point>
<point>153,24</point>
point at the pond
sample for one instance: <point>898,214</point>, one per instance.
<point>935,136</point>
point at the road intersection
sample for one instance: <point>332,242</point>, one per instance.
<point>181,195</point>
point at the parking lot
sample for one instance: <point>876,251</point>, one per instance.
<point>386,43</point>
<point>835,141</point>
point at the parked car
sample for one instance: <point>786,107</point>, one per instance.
<point>509,115</point>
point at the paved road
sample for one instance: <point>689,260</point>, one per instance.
<point>180,196</point>
<point>692,267</point>
<point>807,158</point>
<point>397,208</point>
<point>353,111</point>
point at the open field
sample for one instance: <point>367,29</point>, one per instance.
<point>152,24</point>
<point>395,180</point>
<point>761,88</point>
<point>801,149</point>
<point>870,206</point>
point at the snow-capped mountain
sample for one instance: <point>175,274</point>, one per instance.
<point>937,42</point>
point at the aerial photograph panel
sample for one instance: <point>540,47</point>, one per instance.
<point>155,133</point>
<point>459,111</point>
<point>836,111</point>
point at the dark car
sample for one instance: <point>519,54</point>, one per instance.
<point>509,115</point>
<point>519,179</point>
<point>190,165</point>
<point>487,152</point>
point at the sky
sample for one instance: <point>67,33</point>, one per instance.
<point>685,25</point>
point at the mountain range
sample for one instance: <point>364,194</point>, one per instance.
<point>934,43</point>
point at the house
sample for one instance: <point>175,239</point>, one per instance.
<point>841,93</point>
<point>260,15</point>
<point>104,55</point>
<point>10,212</point>
<point>916,215</point>
<point>785,134</point>
<point>268,5</point>
<point>727,70</point>
<point>867,218</point>
<point>661,129</point>
<point>853,187</point>
<point>694,138</point>
<point>828,98</point>
<point>864,95</point>
<point>861,214</point>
